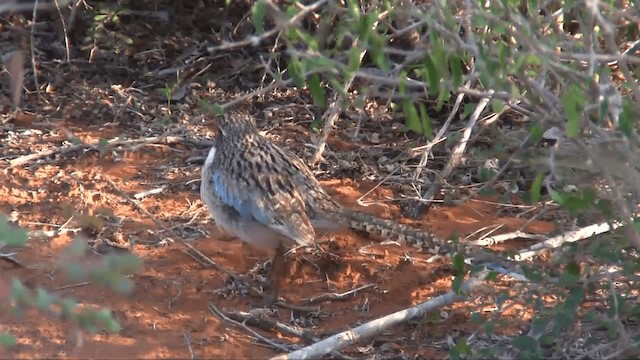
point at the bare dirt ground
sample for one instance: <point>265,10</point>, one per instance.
<point>168,315</point>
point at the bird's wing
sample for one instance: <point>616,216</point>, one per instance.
<point>282,210</point>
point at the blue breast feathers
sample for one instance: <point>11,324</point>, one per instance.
<point>282,212</point>
<point>242,201</point>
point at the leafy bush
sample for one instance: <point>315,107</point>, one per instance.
<point>567,73</point>
<point>109,272</point>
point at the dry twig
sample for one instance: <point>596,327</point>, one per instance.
<point>242,325</point>
<point>568,237</point>
<point>372,328</point>
<point>266,323</point>
<point>454,160</point>
<point>63,150</point>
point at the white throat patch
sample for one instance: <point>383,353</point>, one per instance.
<point>210,157</point>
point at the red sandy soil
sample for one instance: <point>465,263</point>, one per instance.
<point>172,294</point>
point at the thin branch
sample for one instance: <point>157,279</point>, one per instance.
<point>166,137</point>
<point>265,323</point>
<point>262,338</point>
<point>256,40</point>
<point>372,328</point>
<point>454,160</point>
<point>568,237</point>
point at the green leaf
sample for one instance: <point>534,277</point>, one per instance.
<point>354,58</point>
<point>501,299</point>
<point>67,305</point>
<point>354,10</point>
<point>295,72</point>
<point>576,202</point>
<point>497,106</point>
<point>491,275</point>
<point>462,347</point>
<point>467,110</point>
<point>574,300</point>
<point>412,121</point>
<point>536,188</point>
<point>123,286</point>
<point>418,123</point>
<point>538,325</point>
<point>432,75</point>
<point>319,98</point>
<point>305,37</point>
<point>476,318</point>
<point>102,145</point>
<point>524,342</point>
<point>489,327</point>
<point>535,134</point>
<point>626,120</point>
<point>19,292</point>
<point>217,109</point>
<point>257,16</point>
<point>488,191</point>
<point>380,59</point>
<point>443,97</point>
<point>573,101</point>
<point>105,318</point>
<point>425,121</point>
<point>456,70</point>
<point>439,56</point>
<point>10,235</point>
<point>43,299</point>
<point>7,340</point>
<point>503,52</point>
<point>458,263</point>
<point>456,284</point>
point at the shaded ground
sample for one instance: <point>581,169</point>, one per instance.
<point>168,314</point>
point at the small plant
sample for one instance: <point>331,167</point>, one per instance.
<point>109,272</point>
<point>104,31</point>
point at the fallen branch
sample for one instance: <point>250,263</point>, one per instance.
<point>144,194</point>
<point>568,237</point>
<point>372,328</point>
<point>492,240</point>
<point>63,150</point>
<point>266,323</point>
<point>262,338</point>
<point>336,296</point>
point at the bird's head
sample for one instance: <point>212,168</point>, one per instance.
<point>235,123</point>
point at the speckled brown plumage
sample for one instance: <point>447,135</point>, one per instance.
<point>268,197</point>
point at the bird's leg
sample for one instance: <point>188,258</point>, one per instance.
<point>276,276</point>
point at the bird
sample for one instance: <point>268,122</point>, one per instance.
<point>269,198</point>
